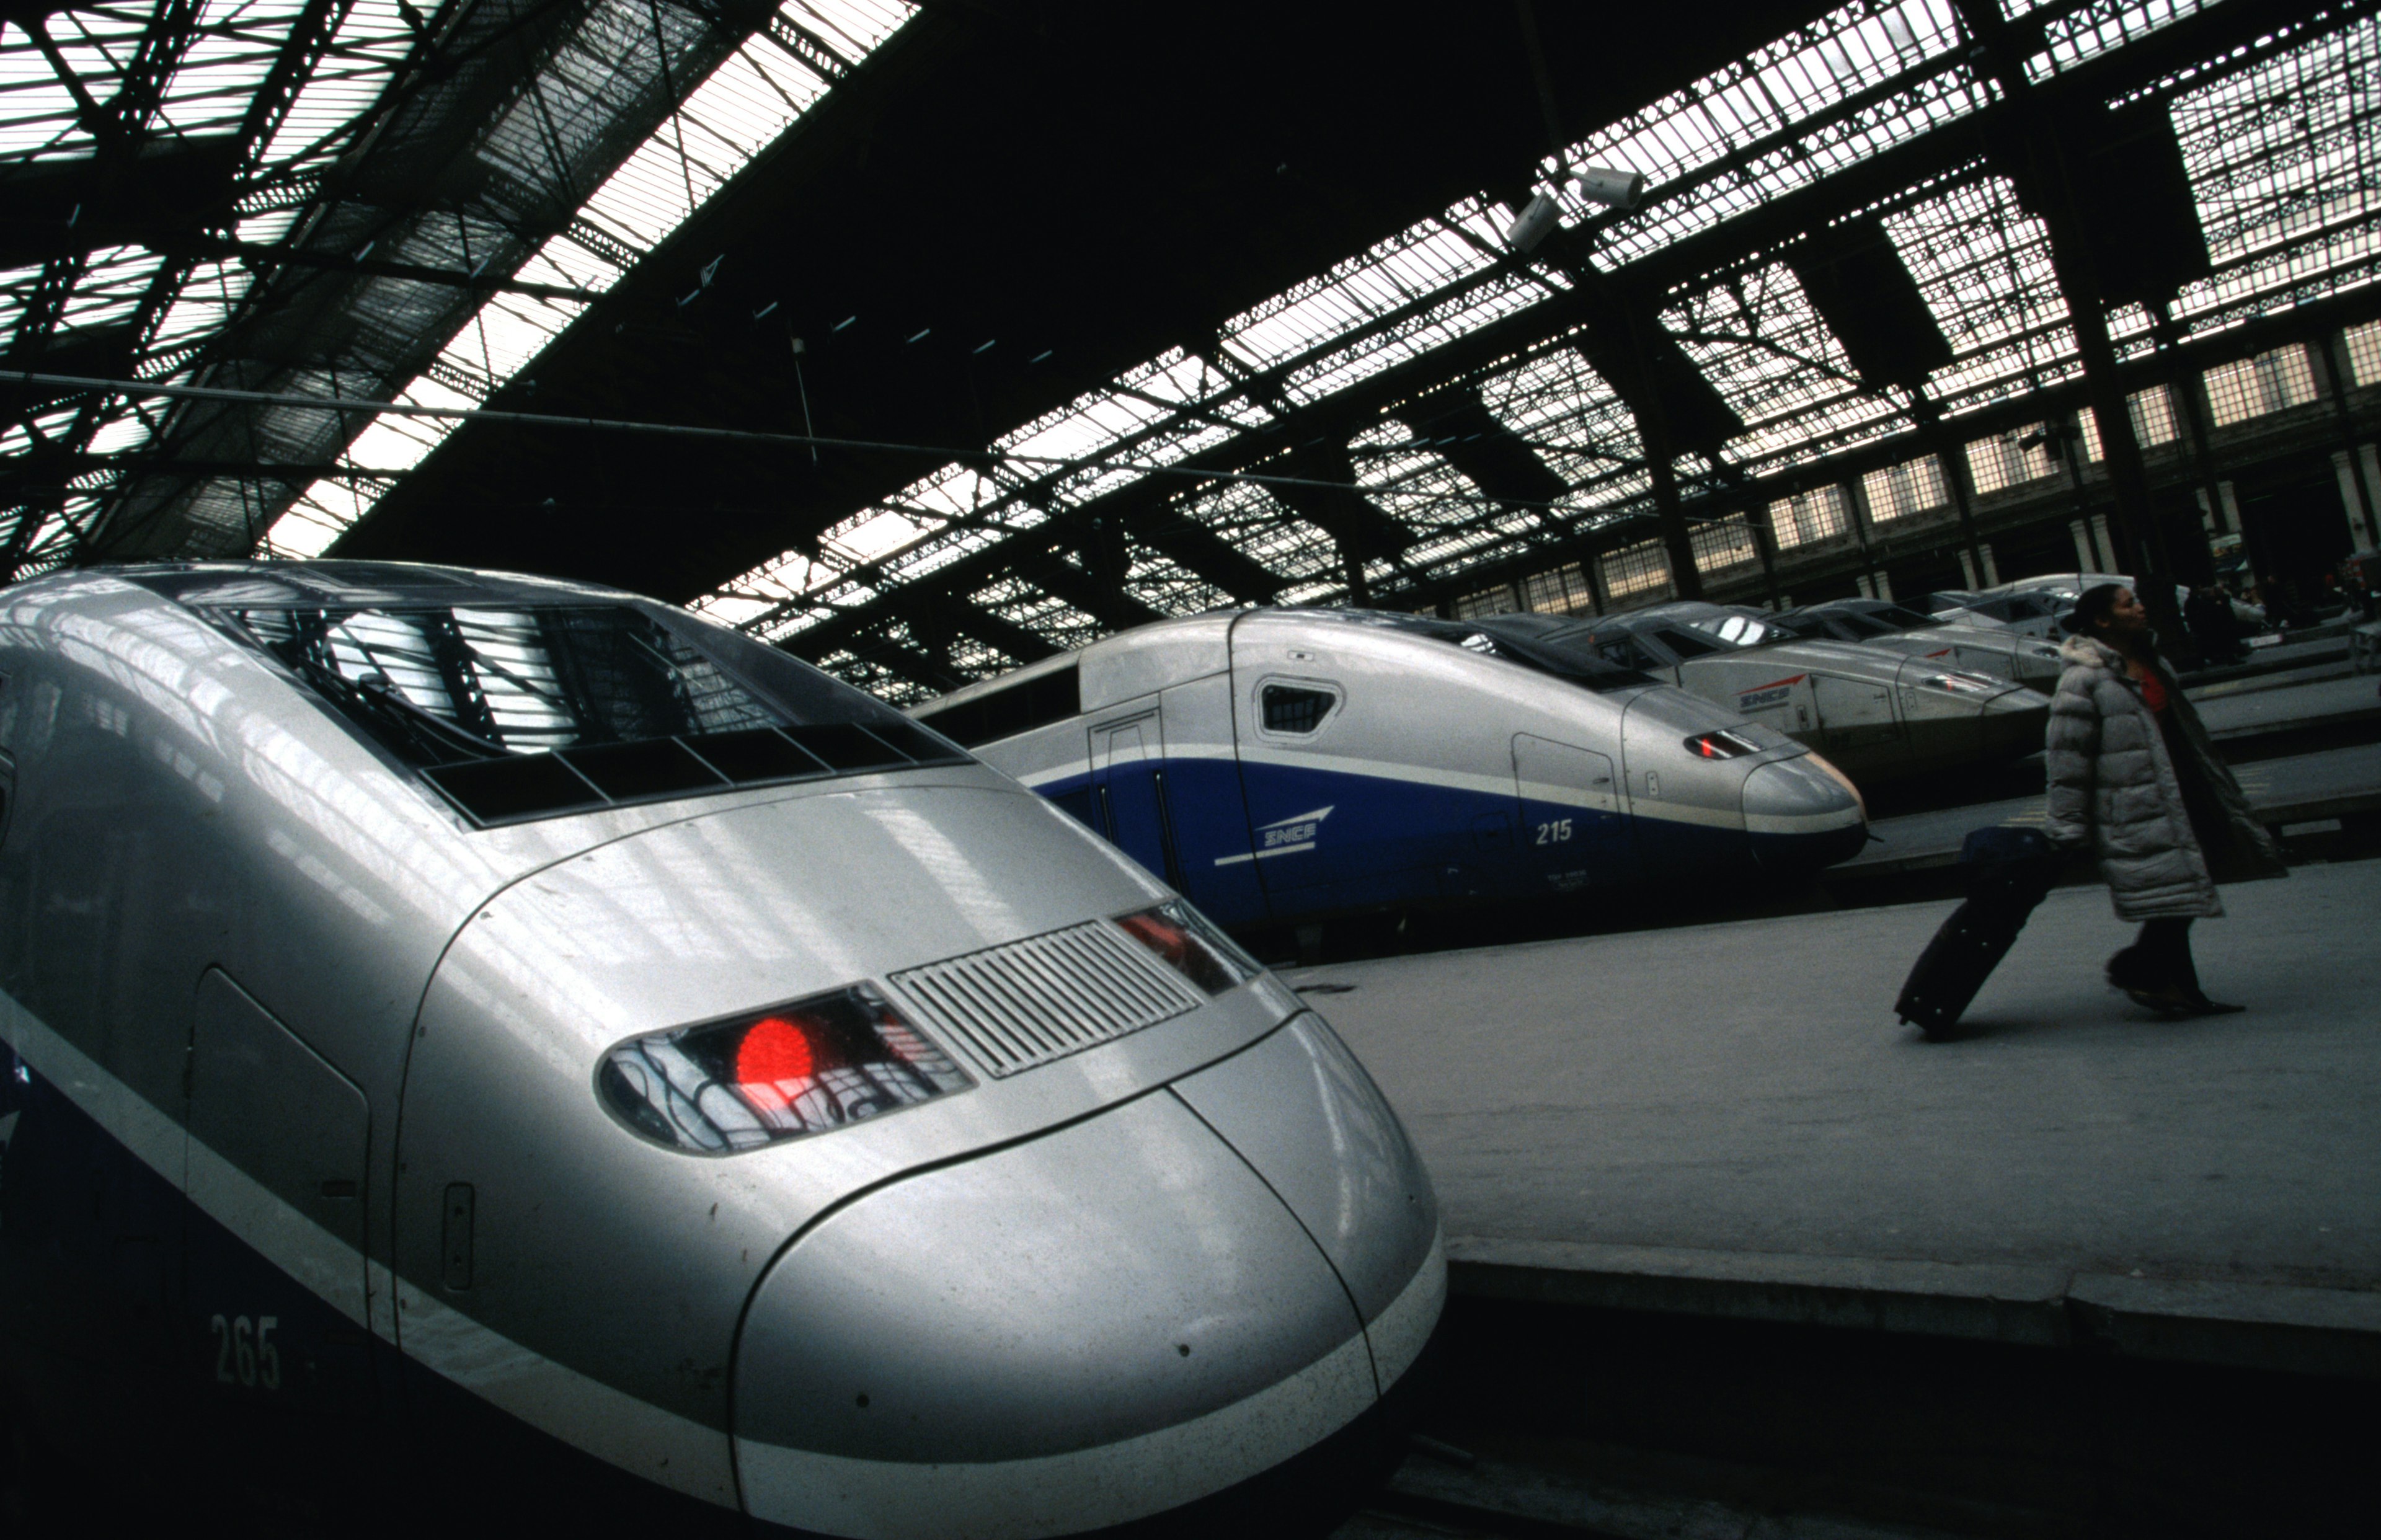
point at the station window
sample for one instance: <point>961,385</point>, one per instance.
<point>1490,600</point>
<point>1898,491</point>
<point>1723,544</point>
<point>2253,387</point>
<point>1292,709</point>
<point>1807,517</point>
<point>1635,570</point>
<point>1563,591</point>
<point>2364,352</point>
<point>2153,416</point>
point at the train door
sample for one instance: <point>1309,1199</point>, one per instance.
<point>1574,831</point>
<point>1129,792</point>
<point>273,1279</point>
<point>1855,716</point>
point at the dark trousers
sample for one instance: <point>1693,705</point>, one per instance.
<point>2158,958</point>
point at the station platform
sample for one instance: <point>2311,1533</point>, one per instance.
<point>1727,1121</point>
<point>2293,794</point>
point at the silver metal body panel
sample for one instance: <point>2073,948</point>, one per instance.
<point>630,1262</point>
<point>1300,1110</point>
<point>203,859</point>
<point>1122,1275</point>
<point>1149,658</point>
<point>2001,654</point>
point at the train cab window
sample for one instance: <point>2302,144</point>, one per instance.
<point>1295,709</point>
<point>1005,713</point>
<point>514,712</point>
<point>1627,652</point>
<point>1686,644</point>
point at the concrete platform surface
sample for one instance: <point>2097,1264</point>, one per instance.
<point>1728,1119</point>
<point>2290,707</point>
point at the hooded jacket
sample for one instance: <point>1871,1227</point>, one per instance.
<point>2114,787</point>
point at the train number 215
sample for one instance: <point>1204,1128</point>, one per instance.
<point>1554,832</point>
<point>245,1353</point>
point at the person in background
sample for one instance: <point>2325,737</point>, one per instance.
<point>2134,780</point>
<point>2213,630</point>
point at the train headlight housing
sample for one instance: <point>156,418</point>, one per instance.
<point>756,1079</point>
<point>1188,942</point>
<point>1721,745</point>
<point>1964,684</point>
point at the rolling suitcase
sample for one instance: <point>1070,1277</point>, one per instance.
<point>2010,871</point>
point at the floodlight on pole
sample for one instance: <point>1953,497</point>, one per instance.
<point>1597,184</point>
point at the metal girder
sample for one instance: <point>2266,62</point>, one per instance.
<point>807,47</point>
<point>994,631</point>
<point>911,664</point>
<point>1920,167</point>
<point>254,255</point>
<point>1198,550</point>
<point>1461,430</point>
<point>2247,340</point>
<point>1106,603</point>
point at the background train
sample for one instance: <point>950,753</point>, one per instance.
<point>510,1053</point>
<point>1284,764</point>
<point>1998,651</point>
<point>1881,718</point>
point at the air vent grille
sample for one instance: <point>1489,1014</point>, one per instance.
<point>1031,1001</point>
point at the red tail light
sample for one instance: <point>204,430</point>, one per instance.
<point>1189,944</point>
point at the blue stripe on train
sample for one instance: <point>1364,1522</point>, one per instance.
<point>1254,842</point>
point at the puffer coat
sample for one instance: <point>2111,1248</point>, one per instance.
<point>2114,787</point>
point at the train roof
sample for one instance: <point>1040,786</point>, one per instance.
<point>280,584</point>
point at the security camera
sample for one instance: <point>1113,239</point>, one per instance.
<point>1597,184</point>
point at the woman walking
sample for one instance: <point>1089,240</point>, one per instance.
<point>2134,779</point>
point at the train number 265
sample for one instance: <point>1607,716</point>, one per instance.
<point>1554,832</point>
<point>245,1353</point>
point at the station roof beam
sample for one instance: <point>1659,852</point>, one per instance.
<point>1164,527</point>
<point>1355,523</point>
<point>1106,603</point>
<point>1459,427</point>
<point>995,631</point>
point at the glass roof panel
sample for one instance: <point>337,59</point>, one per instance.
<point>739,110</point>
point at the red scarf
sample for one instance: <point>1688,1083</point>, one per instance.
<point>2152,690</point>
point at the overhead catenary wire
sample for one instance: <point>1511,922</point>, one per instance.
<point>736,436</point>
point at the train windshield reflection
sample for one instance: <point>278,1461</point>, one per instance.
<point>1550,644</point>
<point>517,712</point>
<point>438,684</point>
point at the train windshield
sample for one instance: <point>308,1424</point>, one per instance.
<point>1550,644</point>
<point>529,711</point>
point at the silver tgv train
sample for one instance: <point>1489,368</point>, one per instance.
<point>2001,653</point>
<point>1880,718</point>
<point>1280,765</point>
<point>474,1039</point>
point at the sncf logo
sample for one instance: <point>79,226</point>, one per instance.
<point>1770,694</point>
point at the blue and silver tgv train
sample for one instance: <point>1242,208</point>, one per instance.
<point>1280,765</point>
<point>481,1047</point>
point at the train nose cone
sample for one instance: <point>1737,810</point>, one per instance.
<point>2013,724</point>
<point>1094,1326</point>
<point>1801,814</point>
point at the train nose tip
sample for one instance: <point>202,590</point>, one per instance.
<point>1801,814</point>
<point>1096,1326</point>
